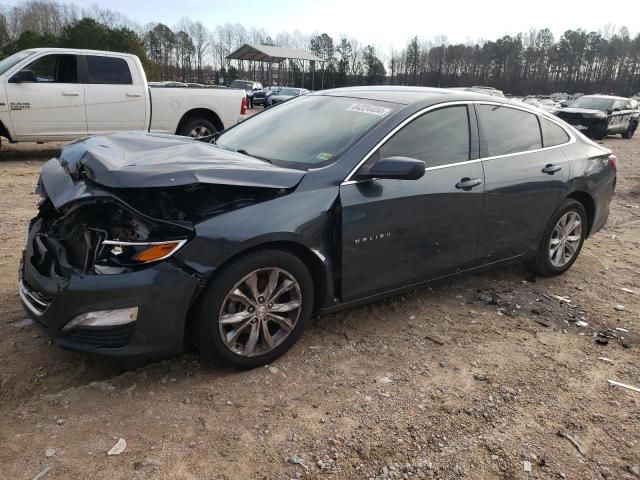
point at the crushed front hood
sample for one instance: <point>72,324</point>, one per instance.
<point>135,160</point>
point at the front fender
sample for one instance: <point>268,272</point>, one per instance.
<point>305,218</point>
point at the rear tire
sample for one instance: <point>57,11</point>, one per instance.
<point>560,241</point>
<point>631,129</point>
<point>197,127</point>
<point>247,308</point>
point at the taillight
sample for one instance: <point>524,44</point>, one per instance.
<point>613,161</point>
<point>243,105</point>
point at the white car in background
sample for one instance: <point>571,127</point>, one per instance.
<point>49,94</point>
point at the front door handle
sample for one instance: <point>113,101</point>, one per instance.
<point>551,169</point>
<point>467,183</point>
<point>135,95</point>
<point>70,94</point>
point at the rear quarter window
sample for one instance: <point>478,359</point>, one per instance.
<point>108,70</point>
<point>552,134</point>
<point>509,130</point>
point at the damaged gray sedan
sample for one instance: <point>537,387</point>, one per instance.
<point>146,243</point>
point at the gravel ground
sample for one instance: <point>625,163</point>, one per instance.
<point>471,379</point>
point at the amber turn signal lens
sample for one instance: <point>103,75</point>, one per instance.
<point>156,252</point>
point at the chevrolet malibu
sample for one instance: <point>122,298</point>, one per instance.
<point>145,243</point>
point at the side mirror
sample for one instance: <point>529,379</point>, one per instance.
<point>24,76</point>
<point>397,168</point>
<point>617,109</point>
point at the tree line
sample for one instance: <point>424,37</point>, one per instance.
<point>532,62</point>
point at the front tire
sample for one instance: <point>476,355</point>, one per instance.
<point>597,130</point>
<point>562,239</point>
<point>255,309</point>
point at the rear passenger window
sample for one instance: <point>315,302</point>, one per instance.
<point>108,70</point>
<point>552,134</point>
<point>508,130</point>
<point>438,138</point>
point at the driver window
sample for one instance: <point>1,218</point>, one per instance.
<point>440,137</point>
<point>55,69</point>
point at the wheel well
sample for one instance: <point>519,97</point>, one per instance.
<point>311,261</point>
<point>201,113</point>
<point>588,204</point>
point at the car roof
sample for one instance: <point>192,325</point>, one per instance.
<point>409,95</point>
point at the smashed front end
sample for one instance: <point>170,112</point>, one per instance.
<point>99,271</point>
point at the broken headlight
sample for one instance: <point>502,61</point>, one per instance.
<point>122,253</point>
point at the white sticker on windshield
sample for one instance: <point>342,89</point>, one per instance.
<point>370,109</point>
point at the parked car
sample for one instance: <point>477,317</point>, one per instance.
<point>601,115</point>
<point>260,96</point>
<point>63,94</point>
<point>236,245</point>
<point>284,94</point>
<point>250,87</point>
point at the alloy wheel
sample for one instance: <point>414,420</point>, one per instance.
<point>260,312</point>
<point>565,239</point>
<point>199,132</point>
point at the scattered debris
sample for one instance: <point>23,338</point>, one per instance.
<point>383,380</point>
<point>489,297</point>
<point>527,466</point>
<point>295,460</point>
<point>619,308</point>
<point>434,340</point>
<point>42,473</point>
<point>559,298</point>
<point>118,448</point>
<point>481,377</point>
<point>623,330</point>
<point>27,322</point>
<point>624,385</point>
<point>50,452</point>
<point>628,290</point>
<point>605,360</point>
<point>542,321</point>
<point>582,323</point>
<point>273,370</point>
<point>576,443</point>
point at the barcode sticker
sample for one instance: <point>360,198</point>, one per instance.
<point>370,109</point>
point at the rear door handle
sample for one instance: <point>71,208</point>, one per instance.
<point>135,95</point>
<point>551,169</point>
<point>70,94</point>
<point>467,183</point>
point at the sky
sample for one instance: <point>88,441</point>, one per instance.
<point>386,24</point>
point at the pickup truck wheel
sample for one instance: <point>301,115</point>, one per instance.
<point>254,310</point>
<point>197,127</point>
<point>562,240</point>
<point>630,131</point>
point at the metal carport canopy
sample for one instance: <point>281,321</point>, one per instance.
<point>267,53</point>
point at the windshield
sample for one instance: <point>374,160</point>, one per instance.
<point>9,62</point>
<point>593,102</point>
<point>306,132</point>
<point>289,91</point>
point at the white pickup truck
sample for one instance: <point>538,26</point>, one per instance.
<point>61,94</point>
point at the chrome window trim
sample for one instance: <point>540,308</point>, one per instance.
<point>348,181</point>
<point>572,138</point>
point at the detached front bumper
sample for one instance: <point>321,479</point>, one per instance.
<point>163,294</point>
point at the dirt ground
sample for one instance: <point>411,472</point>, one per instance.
<point>471,379</point>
